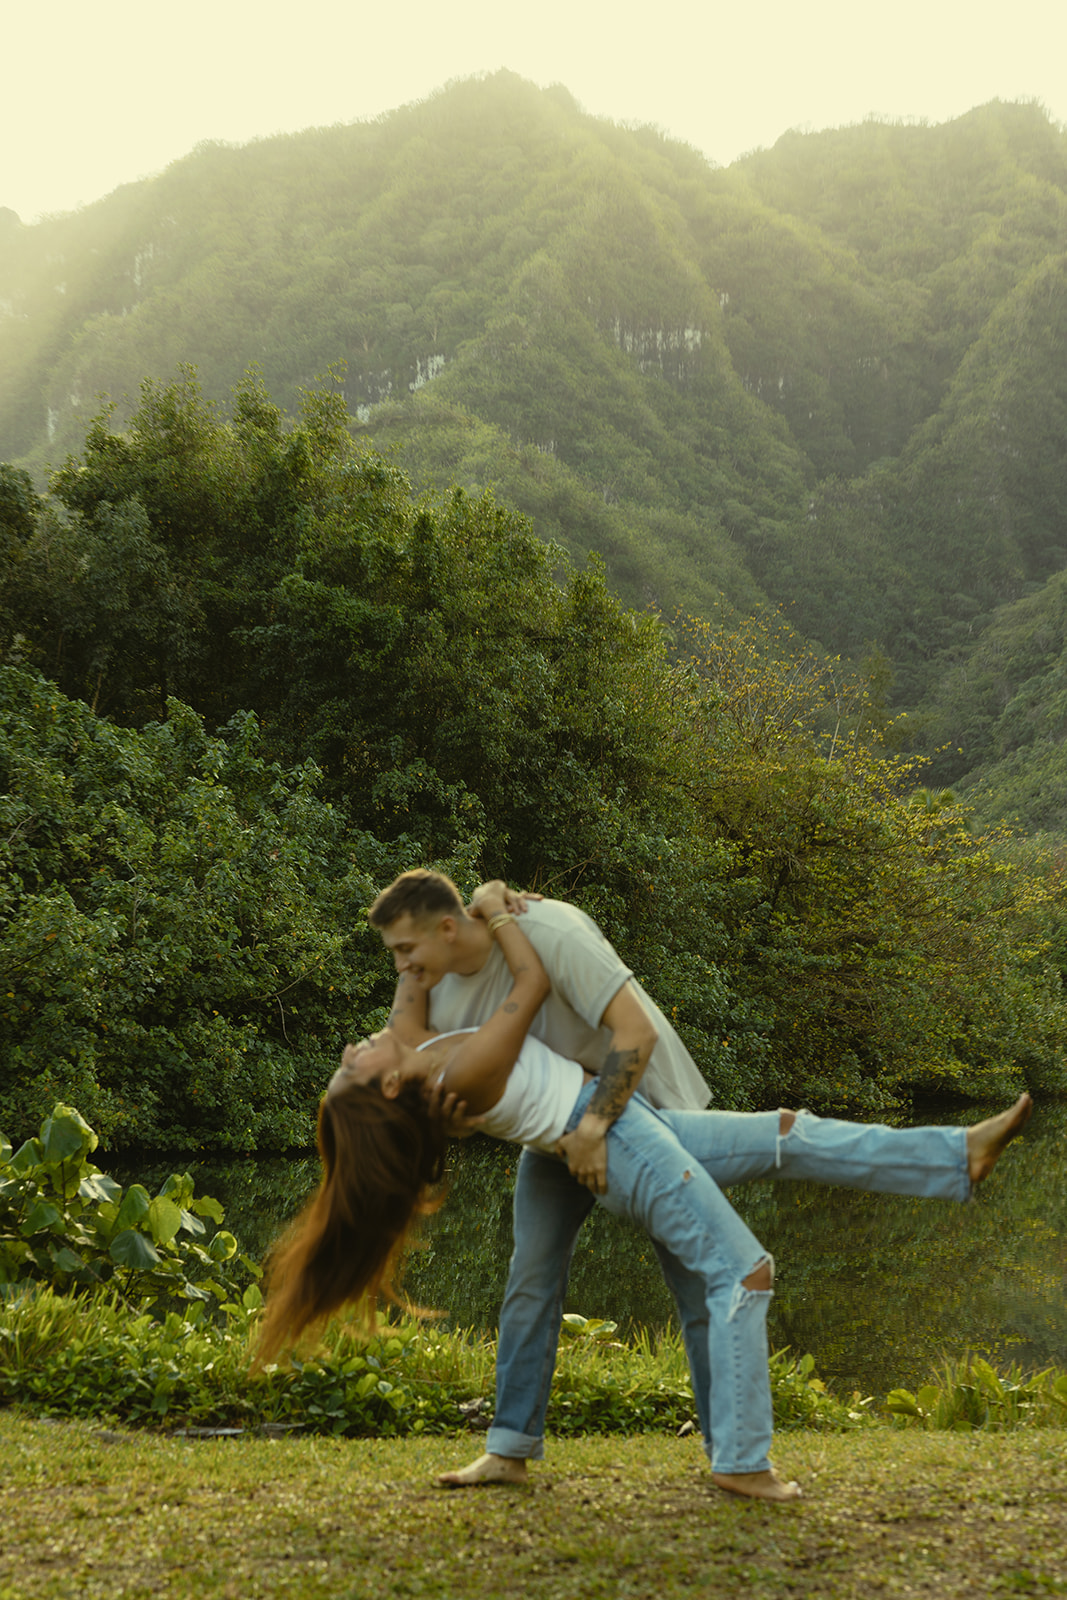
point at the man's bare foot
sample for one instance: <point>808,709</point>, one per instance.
<point>757,1485</point>
<point>488,1469</point>
<point>986,1141</point>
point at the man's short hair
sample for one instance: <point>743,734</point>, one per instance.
<point>417,894</point>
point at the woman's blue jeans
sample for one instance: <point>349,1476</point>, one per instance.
<point>729,1147</point>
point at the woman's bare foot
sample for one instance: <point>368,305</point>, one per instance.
<point>757,1485</point>
<point>488,1469</point>
<point>986,1141</point>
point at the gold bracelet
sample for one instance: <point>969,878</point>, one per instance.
<point>499,920</point>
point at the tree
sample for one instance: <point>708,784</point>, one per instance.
<point>180,946</point>
<point>884,944</point>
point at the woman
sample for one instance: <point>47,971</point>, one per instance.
<point>382,1153</point>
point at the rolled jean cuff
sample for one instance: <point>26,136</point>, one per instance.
<point>729,1470</point>
<point>506,1442</point>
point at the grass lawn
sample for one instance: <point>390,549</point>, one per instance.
<point>86,1511</point>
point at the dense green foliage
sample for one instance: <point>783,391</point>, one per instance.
<point>398,679</point>
<point>972,1394</point>
<point>65,1223</point>
<point>179,944</point>
<point>91,1357</point>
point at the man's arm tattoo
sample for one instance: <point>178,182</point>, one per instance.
<point>616,1082</point>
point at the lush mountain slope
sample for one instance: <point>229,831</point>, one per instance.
<point>829,375</point>
<point>1000,715</point>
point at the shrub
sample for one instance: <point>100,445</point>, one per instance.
<point>179,951</point>
<point>971,1394</point>
<point>66,1223</point>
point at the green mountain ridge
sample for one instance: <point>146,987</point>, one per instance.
<point>828,376</point>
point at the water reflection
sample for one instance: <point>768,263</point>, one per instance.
<point>876,1287</point>
<point>880,1287</point>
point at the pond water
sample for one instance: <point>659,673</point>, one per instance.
<point>876,1287</point>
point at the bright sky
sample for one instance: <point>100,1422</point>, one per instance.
<point>94,97</point>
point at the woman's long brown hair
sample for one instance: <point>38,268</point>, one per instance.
<point>380,1159</point>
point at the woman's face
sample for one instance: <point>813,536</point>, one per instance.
<point>372,1060</point>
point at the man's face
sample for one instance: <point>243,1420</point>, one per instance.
<point>423,949</point>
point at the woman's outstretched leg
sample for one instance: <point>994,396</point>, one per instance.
<point>929,1162</point>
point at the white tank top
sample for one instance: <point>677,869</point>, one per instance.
<point>539,1098</point>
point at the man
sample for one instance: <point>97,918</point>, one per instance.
<point>596,1014</point>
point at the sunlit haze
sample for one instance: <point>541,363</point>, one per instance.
<point>96,97</point>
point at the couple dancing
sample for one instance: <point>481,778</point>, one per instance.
<point>539,1028</point>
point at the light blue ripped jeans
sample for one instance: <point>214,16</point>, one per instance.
<point>730,1147</point>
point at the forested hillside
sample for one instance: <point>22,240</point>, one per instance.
<point>643,522</point>
<point>395,680</point>
<point>829,376</point>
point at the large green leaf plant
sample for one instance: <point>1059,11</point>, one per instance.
<point>64,1222</point>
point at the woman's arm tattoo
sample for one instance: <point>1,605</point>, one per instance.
<point>403,999</point>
